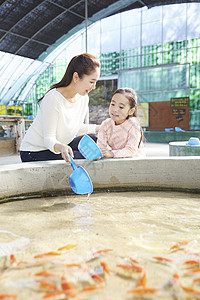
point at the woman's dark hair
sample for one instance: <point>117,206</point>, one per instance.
<point>83,64</point>
<point>131,95</point>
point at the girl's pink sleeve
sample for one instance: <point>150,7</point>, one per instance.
<point>102,139</point>
<point>131,147</point>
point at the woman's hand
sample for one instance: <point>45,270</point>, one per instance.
<point>65,150</point>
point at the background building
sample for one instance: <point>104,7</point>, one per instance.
<point>156,51</point>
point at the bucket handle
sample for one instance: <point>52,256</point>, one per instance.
<point>73,163</point>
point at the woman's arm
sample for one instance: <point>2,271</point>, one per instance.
<point>50,115</point>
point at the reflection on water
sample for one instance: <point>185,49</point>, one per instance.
<point>84,216</point>
<point>133,225</point>
<point>12,244</point>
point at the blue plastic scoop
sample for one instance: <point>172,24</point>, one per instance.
<point>168,129</point>
<point>178,129</point>
<point>193,141</point>
<point>79,180</point>
<point>89,148</point>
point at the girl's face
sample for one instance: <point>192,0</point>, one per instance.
<point>120,109</point>
<point>87,83</point>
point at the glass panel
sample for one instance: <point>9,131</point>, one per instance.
<point>151,79</point>
<point>175,77</point>
<point>193,43</point>
<point>178,56</point>
<point>150,96</point>
<point>151,15</point>
<point>193,56</point>
<point>174,29</point>
<point>167,95</point>
<point>130,37</point>
<point>110,23</point>
<point>130,79</point>
<point>156,33</point>
<point>94,39</point>
<point>195,77</point>
<point>110,37</point>
<point>74,48</point>
<point>4,59</point>
<point>110,41</point>
<point>151,59</point>
<point>193,24</point>
<point>130,18</point>
<point>172,11</point>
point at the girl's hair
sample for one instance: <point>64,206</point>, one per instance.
<point>131,95</point>
<point>83,64</point>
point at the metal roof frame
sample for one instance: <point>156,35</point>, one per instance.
<point>33,28</point>
<point>28,31</point>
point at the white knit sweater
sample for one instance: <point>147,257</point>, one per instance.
<point>57,120</point>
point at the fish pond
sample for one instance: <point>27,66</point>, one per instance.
<point>110,246</point>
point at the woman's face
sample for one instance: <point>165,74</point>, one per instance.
<point>87,82</point>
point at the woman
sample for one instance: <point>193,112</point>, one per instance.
<point>56,130</point>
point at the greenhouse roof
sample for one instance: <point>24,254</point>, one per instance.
<point>33,28</point>
<point>33,32</point>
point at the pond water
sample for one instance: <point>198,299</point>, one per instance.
<point>135,235</point>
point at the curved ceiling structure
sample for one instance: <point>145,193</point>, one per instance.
<point>30,30</point>
<point>30,27</point>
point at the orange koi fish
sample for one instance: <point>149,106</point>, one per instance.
<point>131,268</point>
<point>179,245</point>
<point>192,262</point>
<point>103,251</point>
<point>8,296</point>
<point>68,287</point>
<point>190,289</point>
<point>163,259</point>
<point>67,247</point>
<point>96,277</point>
<point>12,259</point>
<point>80,266</point>
<point>143,280</point>
<point>105,267</point>
<point>195,253</point>
<point>196,280</point>
<point>90,288</point>
<point>192,271</point>
<point>46,254</point>
<point>74,265</point>
<point>22,262</point>
<point>52,294</point>
<point>46,284</point>
<point>46,274</point>
<point>133,260</point>
<point>175,278</point>
<point>187,288</point>
<point>143,290</point>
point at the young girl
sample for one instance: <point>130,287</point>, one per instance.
<point>59,123</point>
<point>121,135</point>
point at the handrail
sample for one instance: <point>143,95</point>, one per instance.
<point>13,116</point>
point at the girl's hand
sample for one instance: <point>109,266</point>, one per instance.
<point>97,128</point>
<point>107,153</point>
